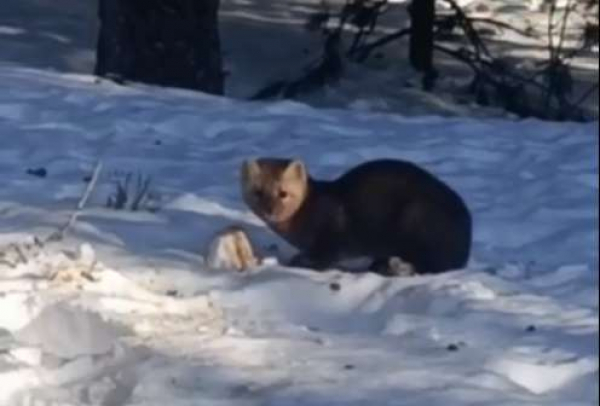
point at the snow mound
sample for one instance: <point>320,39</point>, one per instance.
<point>541,373</point>
<point>518,327</point>
<point>69,321</point>
<point>69,333</point>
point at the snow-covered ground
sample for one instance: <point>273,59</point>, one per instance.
<point>264,41</point>
<point>125,312</point>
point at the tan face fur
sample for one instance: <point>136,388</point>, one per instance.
<point>274,189</point>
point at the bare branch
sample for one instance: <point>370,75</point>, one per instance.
<point>470,30</point>
<point>502,24</point>
<point>551,15</point>
<point>60,233</point>
<point>586,95</point>
<point>571,5</point>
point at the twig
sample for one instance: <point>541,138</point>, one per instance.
<point>60,233</point>
<point>575,52</point>
<point>469,30</point>
<point>551,15</point>
<point>365,51</point>
<point>502,24</point>
<point>565,22</point>
<point>20,253</point>
<point>478,65</point>
<point>460,56</point>
<point>551,52</point>
<point>143,186</point>
<point>586,94</point>
<point>558,62</point>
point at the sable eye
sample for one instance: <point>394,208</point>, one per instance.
<point>259,194</point>
<point>283,194</point>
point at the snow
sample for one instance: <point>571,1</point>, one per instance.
<point>88,334</point>
<point>264,41</point>
<point>145,307</point>
<point>126,310</point>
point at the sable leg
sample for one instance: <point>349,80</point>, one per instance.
<point>304,260</point>
<point>300,261</point>
<point>380,266</point>
<point>392,267</point>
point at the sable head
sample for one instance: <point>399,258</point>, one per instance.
<point>274,189</point>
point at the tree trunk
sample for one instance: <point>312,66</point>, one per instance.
<point>421,39</point>
<point>171,43</point>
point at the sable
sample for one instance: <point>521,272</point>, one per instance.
<point>381,209</point>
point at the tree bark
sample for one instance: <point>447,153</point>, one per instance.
<point>171,43</point>
<point>422,37</point>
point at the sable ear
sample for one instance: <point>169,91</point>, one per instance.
<point>250,169</point>
<point>296,170</point>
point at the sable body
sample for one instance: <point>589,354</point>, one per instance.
<point>380,209</point>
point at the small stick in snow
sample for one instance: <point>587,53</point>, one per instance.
<point>60,233</point>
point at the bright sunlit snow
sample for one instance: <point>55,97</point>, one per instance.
<point>134,317</point>
<point>137,307</point>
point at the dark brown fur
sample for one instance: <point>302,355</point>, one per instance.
<point>380,209</point>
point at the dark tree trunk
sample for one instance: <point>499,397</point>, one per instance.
<point>422,39</point>
<point>171,43</point>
